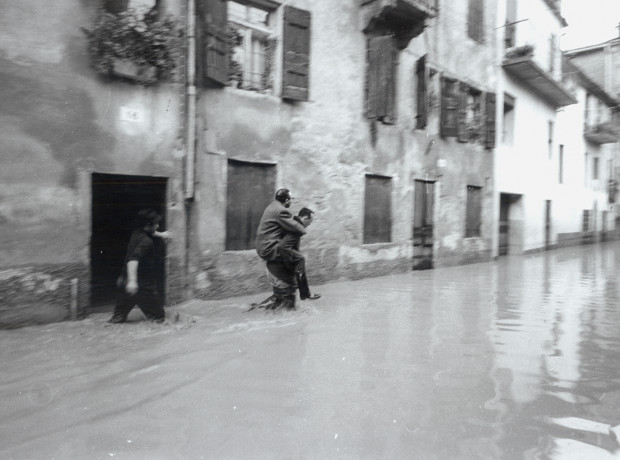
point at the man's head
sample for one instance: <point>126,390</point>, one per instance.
<point>148,220</point>
<point>284,196</point>
<point>306,216</point>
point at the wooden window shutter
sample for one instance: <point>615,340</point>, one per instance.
<point>250,188</point>
<point>377,210</point>
<point>215,20</point>
<point>473,211</point>
<point>422,93</point>
<point>381,78</point>
<point>489,111</point>
<point>461,123</point>
<point>449,108</point>
<point>296,54</point>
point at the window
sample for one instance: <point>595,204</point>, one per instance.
<point>552,52</point>
<point>475,20</point>
<point>470,114</point>
<point>509,120</point>
<point>595,168</point>
<point>381,78</point>
<point>378,209</point>
<point>474,211</point>
<point>561,165</point>
<point>421,93</point>
<point>585,221</point>
<point>252,46</point>
<point>250,189</point>
<point>239,46</point>
<point>550,138</point>
<point>449,107</point>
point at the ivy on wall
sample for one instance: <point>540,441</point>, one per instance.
<point>142,47</point>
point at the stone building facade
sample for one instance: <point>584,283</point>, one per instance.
<point>383,116</point>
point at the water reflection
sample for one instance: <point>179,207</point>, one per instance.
<point>556,345</point>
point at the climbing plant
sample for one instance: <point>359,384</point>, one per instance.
<point>144,40</point>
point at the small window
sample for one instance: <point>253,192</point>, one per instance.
<point>421,93</point>
<point>474,211</point>
<point>561,165</point>
<point>550,130</point>
<point>250,189</point>
<point>475,20</point>
<point>378,209</point>
<point>508,120</point>
<point>595,168</point>
<point>585,221</point>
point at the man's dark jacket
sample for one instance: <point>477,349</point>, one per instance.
<point>275,223</point>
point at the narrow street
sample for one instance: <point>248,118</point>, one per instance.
<point>513,359</point>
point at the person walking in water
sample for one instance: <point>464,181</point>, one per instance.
<point>137,282</point>
<point>285,264</point>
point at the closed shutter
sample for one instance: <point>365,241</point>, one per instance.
<point>296,54</point>
<point>378,210</point>
<point>250,189</point>
<point>421,93</point>
<point>462,135</point>
<point>449,108</point>
<point>215,60</point>
<point>474,211</point>
<point>489,111</point>
<point>381,78</point>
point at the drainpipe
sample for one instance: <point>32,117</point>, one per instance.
<point>190,97</point>
<point>190,138</point>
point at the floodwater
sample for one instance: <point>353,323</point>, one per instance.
<point>513,359</point>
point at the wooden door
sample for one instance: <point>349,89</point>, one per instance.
<point>423,225</point>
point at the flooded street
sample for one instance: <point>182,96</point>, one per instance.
<point>514,359</point>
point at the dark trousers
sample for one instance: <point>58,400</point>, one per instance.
<point>147,299</point>
<point>296,262</point>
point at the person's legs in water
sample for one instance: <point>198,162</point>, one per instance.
<point>297,262</point>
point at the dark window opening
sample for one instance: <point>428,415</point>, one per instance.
<point>378,209</point>
<point>474,211</point>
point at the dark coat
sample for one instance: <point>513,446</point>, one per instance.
<point>276,222</point>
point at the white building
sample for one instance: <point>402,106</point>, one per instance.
<point>530,93</point>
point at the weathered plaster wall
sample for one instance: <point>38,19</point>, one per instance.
<point>324,147</point>
<point>59,123</point>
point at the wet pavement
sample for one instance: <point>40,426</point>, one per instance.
<point>514,359</point>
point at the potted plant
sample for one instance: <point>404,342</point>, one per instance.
<point>138,47</point>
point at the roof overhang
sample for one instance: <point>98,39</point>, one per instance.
<point>525,69</point>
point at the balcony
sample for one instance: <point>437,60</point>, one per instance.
<point>534,59</point>
<point>405,18</point>
<point>602,133</point>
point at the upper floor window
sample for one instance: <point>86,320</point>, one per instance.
<point>475,20</point>
<point>381,56</point>
<point>240,41</point>
<point>595,168</point>
<point>252,47</point>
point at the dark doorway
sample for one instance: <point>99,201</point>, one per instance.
<point>116,200</point>
<point>423,225</point>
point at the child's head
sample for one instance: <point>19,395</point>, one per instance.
<point>306,216</point>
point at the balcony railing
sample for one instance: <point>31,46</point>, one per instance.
<point>533,57</point>
<point>606,132</point>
